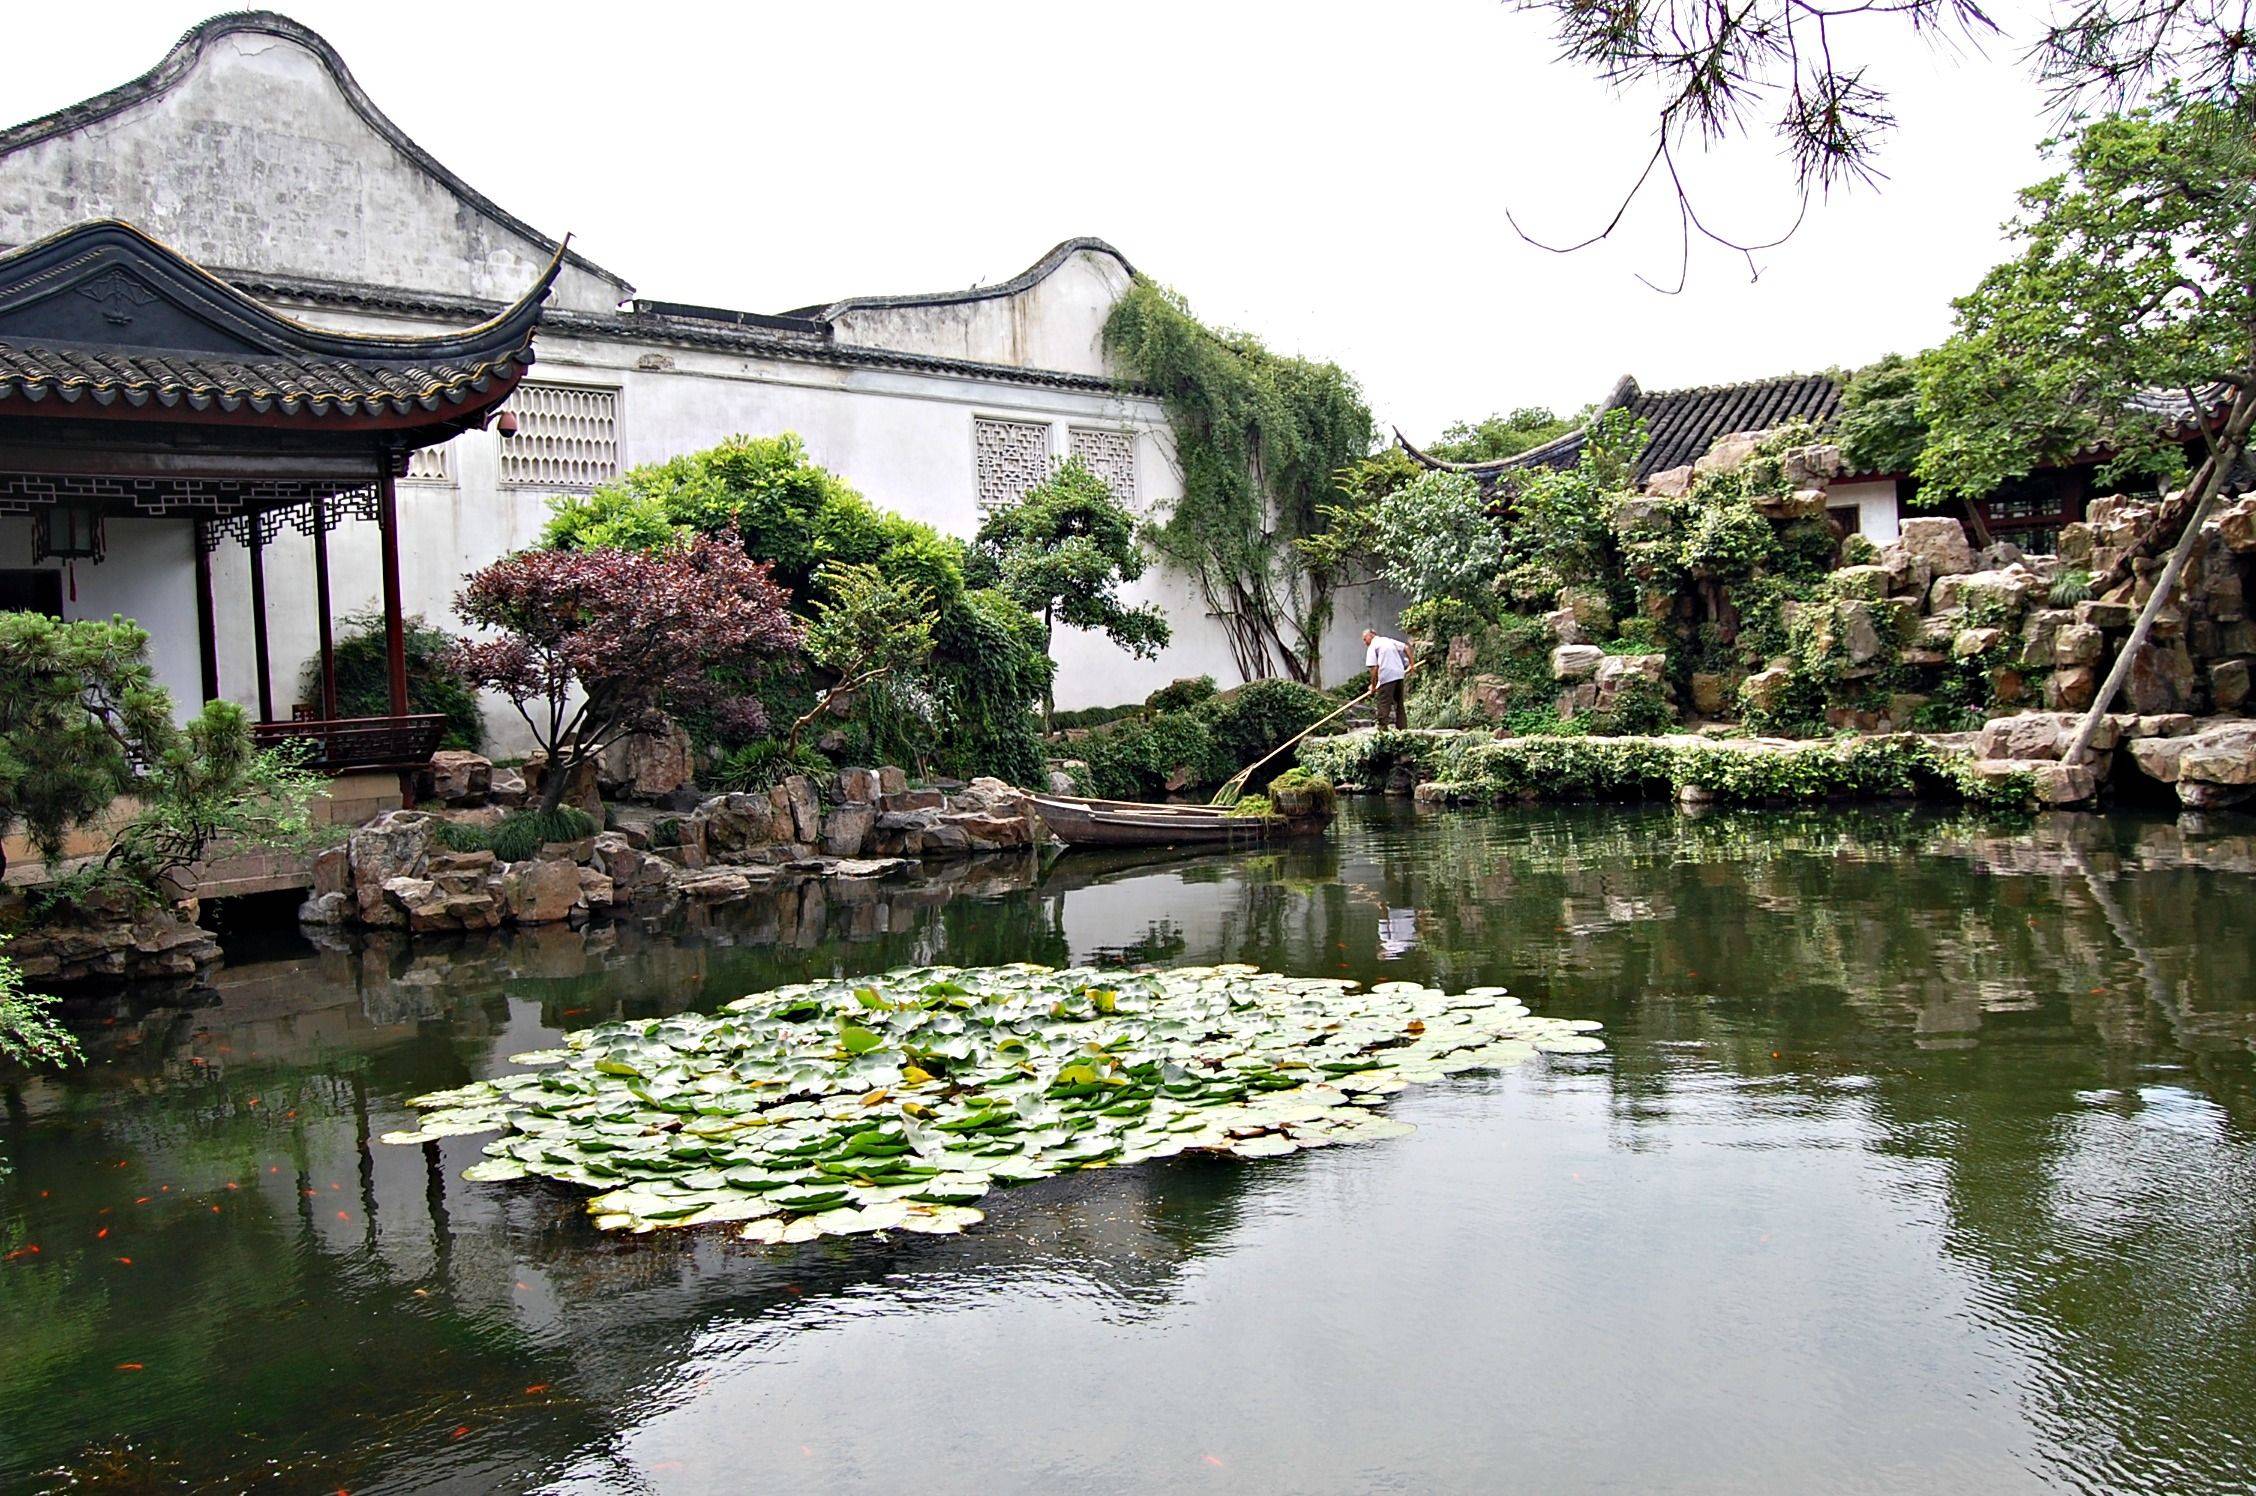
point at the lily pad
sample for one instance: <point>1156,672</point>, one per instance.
<point>888,1104</point>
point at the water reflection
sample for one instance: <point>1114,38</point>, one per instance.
<point>1920,1158</point>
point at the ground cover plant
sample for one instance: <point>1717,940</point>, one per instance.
<point>893,1102</point>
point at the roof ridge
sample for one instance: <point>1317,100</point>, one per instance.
<point>177,63</point>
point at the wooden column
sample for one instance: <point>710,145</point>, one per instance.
<point>258,621</point>
<point>395,631</point>
<point>207,628</point>
<point>321,607</point>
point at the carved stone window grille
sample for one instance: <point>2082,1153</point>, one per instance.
<point>430,465</point>
<point>567,437</point>
<point>1012,456</point>
<point>1111,455</point>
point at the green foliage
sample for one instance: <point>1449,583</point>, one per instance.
<point>520,834</point>
<point>2136,277</point>
<point>1182,695</point>
<point>1561,528</point>
<point>1211,738</point>
<point>1261,439</point>
<point>29,1034</point>
<point>1476,768</point>
<point>764,763</point>
<point>82,721</point>
<point>968,709</point>
<point>1063,550</point>
<point>1499,435</point>
<point>1435,537</point>
<point>1095,716</point>
<point>868,627</point>
<point>364,683</point>
<point>2071,587</point>
<point>1880,427</point>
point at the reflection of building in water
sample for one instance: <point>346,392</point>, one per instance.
<point>1398,932</point>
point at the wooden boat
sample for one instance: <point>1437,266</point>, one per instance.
<point>1081,822</point>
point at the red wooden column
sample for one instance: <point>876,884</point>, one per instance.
<point>257,537</point>
<point>207,626</point>
<point>321,607</point>
<point>395,631</point>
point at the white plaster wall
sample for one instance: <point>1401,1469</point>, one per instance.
<point>1875,503</point>
<point>1057,323</point>
<point>148,575</point>
<point>257,161</point>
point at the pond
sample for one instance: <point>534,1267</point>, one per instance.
<point>1922,1155</point>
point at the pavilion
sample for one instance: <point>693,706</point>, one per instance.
<point>144,399</point>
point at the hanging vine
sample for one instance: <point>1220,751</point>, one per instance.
<point>1260,438</point>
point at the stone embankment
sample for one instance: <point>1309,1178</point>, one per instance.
<point>397,872</point>
<point>2208,762</point>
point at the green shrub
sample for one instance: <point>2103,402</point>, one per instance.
<point>364,681</point>
<point>1134,760</point>
<point>519,835</point>
<point>2070,588</point>
<point>764,763</point>
<point>1259,716</point>
<point>1092,716</point>
<point>1182,695</point>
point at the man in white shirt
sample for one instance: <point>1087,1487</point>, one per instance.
<point>1390,661</point>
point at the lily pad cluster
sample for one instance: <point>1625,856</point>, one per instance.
<point>894,1102</point>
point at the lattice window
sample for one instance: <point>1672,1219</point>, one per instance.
<point>1111,455</point>
<point>431,464</point>
<point>1012,456</point>
<point>567,437</point>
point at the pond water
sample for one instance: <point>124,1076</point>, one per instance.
<point>1922,1156</point>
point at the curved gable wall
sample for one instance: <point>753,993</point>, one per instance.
<point>1055,323</point>
<point>333,199</point>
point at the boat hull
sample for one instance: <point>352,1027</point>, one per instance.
<point>1082,822</point>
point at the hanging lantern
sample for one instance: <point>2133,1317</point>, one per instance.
<point>67,532</point>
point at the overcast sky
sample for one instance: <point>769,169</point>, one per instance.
<point>1333,177</point>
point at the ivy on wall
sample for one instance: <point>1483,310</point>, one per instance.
<point>1260,438</point>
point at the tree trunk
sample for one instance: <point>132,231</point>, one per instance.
<point>560,774</point>
<point>1049,687</point>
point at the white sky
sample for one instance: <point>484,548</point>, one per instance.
<point>1331,176</point>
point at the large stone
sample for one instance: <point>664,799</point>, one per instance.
<point>2159,758</point>
<point>1812,466</point>
<point>1763,690</point>
<point>1487,697</point>
<point>1575,661</point>
<point>2039,631</point>
<point>1973,642</point>
<point>541,891</point>
<point>796,798</point>
<point>396,844</point>
<point>2078,644</point>
<point>508,788</point>
<point>1866,632</point>
<point>2236,524</point>
<point>1870,582</point>
<point>712,886</point>
<point>2071,688</point>
<point>1672,483</point>
<point>731,825</point>
<point>2009,590</point>
<point>653,765</point>
<point>1728,454</point>
<point>2094,613</point>
<point>2075,546</point>
<point>418,904</point>
<point>1590,608</point>
<point>1564,627</point>
<point>891,779</point>
<point>2228,685</point>
<point>2222,755</point>
<point>1936,541</point>
<point>597,891</point>
<point>846,829</point>
<point>1712,692</point>
<point>332,871</point>
<point>2161,679</point>
<point>1799,503</point>
<point>857,786</point>
<point>459,777</point>
<point>2056,784</point>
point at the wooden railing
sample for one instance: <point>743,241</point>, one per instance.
<point>334,746</point>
